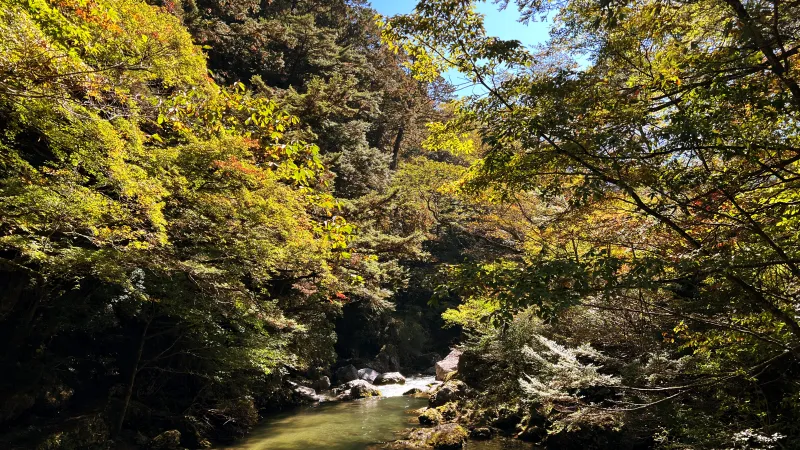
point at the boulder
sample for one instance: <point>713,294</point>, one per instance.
<point>346,373</point>
<point>449,411</point>
<point>481,433</point>
<point>441,437</point>
<point>413,391</point>
<point>363,389</point>
<point>415,439</point>
<point>430,416</point>
<point>387,360</point>
<point>452,390</point>
<point>532,434</point>
<point>448,365</point>
<point>306,393</point>
<point>390,378</point>
<point>507,418</point>
<point>168,440</point>
<point>368,374</point>
<point>476,369</point>
<point>323,384</point>
<point>354,383</point>
<point>449,436</point>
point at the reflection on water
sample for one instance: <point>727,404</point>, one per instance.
<point>354,425</point>
<point>336,426</point>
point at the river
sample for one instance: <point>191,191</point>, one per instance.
<point>352,425</point>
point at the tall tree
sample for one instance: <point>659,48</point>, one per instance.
<point>682,118</point>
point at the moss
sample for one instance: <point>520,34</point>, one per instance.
<point>449,436</point>
<point>430,416</point>
<point>364,390</point>
<point>448,411</point>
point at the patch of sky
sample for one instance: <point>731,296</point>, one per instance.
<point>502,23</point>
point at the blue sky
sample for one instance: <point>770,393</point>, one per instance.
<point>502,24</point>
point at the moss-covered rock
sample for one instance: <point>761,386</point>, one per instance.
<point>481,433</point>
<point>448,437</point>
<point>168,440</point>
<point>449,411</point>
<point>430,416</point>
<point>505,417</point>
<point>450,391</point>
<point>362,389</point>
<point>533,427</point>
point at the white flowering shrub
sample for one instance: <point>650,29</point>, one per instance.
<point>559,380</point>
<point>750,439</point>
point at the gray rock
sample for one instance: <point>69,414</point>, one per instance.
<point>412,391</point>
<point>387,360</point>
<point>368,374</point>
<point>448,365</point>
<point>351,384</point>
<point>390,378</point>
<point>346,373</point>
<point>168,440</point>
<point>323,384</point>
<point>338,390</point>
<point>306,393</point>
<point>363,389</point>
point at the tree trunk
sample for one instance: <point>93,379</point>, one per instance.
<point>396,149</point>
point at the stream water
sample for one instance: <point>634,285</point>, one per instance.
<point>352,425</point>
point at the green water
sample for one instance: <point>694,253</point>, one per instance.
<point>356,425</point>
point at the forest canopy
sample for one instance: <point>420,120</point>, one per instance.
<point>655,144</point>
<point>203,202</point>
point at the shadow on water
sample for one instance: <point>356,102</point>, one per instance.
<point>354,425</point>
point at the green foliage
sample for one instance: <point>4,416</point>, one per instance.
<point>174,231</point>
<point>651,170</point>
